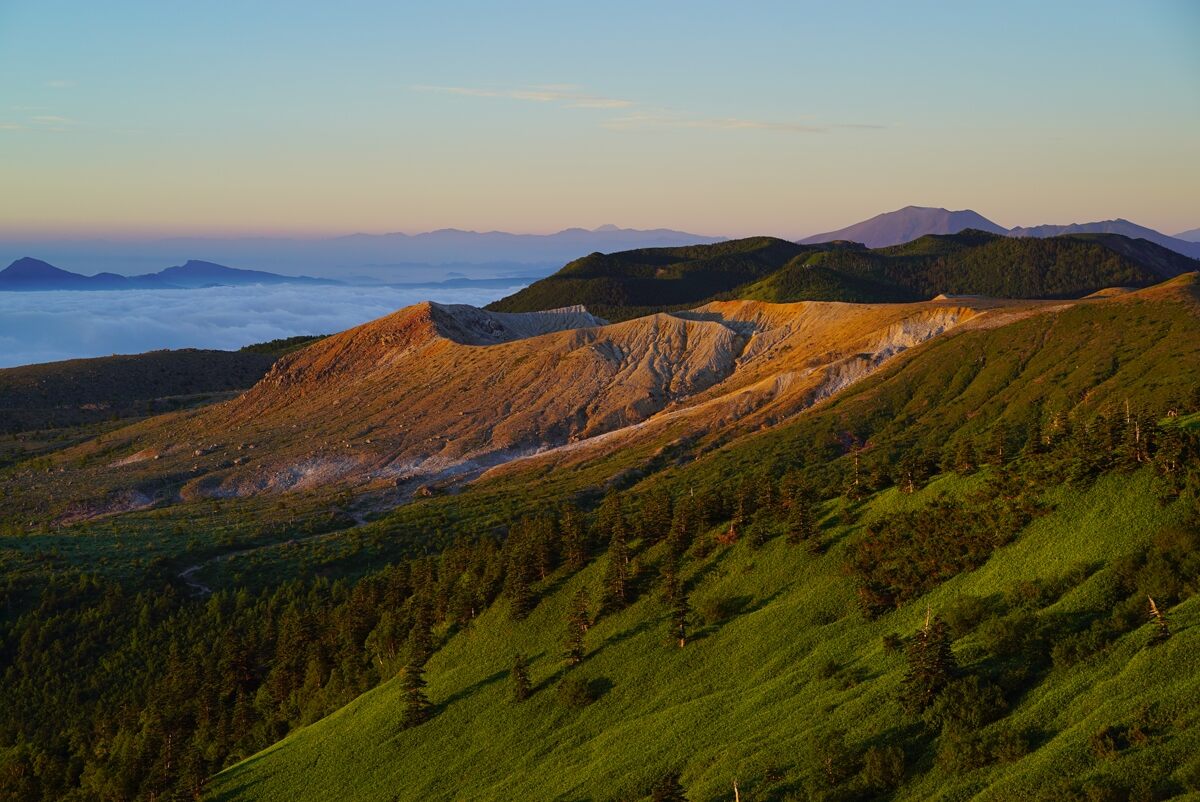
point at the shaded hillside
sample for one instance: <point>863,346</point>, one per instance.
<point>970,262</point>
<point>81,391</point>
<point>1180,244</point>
<point>627,284</point>
<point>976,263</point>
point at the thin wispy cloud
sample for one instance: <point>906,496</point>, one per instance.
<point>565,95</point>
<point>639,116</point>
<point>60,83</point>
<point>39,123</point>
<point>635,121</point>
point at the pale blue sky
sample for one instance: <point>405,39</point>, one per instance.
<point>135,118</point>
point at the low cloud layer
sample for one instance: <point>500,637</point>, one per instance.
<point>49,326</point>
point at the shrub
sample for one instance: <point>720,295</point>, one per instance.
<point>966,613</point>
<point>716,609</point>
<point>1107,742</point>
<point>828,669</point>
<point>966,704</point>
<point>961,751</point>
<point>1009,636</point>
<point>1104,789</point>
<point>883,767</point>
<point>578,692</point>
<point>833,761</point>
<point>1010,745</point>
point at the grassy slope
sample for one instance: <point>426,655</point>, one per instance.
<point>745,696</point>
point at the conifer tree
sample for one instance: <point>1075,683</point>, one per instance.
<point>420,638</point>
<point>668,789</point>
<point>680,612</point>
<point>519,575</point>
<point>520,595</point>
<point>801,524</point>
<point>998,452</point>
<point>521,686</point>
<point>543,545</point>
<point>931,665</point>
<point>964,457</point>
<point>417,708</point>
<point>574,537</point>
<point>611,516</point>
<point>683,524</point>
<point>669,575</point>
<point>617,574</point>
<point>738,520</point>
<point>578,620</point>
<point>654,518</point>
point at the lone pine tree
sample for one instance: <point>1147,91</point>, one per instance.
<point>668,789</point>
<point>578,621</point>
<point>521,686</point>
<point>417,708</point>
<point>680,611</point>
<point>931,665</point>
<point>616,576</point>
<point>802,523</point>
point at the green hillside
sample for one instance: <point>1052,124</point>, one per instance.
<point>787,689</point>
<point>1045,600</point>
<point>1053,466</point>
<point>632,283</point>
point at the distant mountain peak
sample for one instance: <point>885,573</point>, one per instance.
<point>28,270</point>
<point>26,263</point>
<point>907,224</point>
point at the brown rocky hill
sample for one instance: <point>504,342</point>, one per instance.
<point>435,392</point>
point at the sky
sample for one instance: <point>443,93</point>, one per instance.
<point>145,119</point>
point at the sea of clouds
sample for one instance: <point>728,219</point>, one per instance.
<point>49,326</point>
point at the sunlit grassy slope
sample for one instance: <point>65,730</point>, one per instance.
<point>750,695</point>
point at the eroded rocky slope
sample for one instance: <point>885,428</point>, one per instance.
<point>434,392</point>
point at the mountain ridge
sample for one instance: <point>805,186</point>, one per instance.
<point>380,256</point>
<point>30,274</point>
<point>911,222</point>
<point>633,283</point>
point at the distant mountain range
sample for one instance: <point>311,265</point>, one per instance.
<point>911,222</point>
<point>377,257</point>
<point>33,274</point>
<point>1192,235</point>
